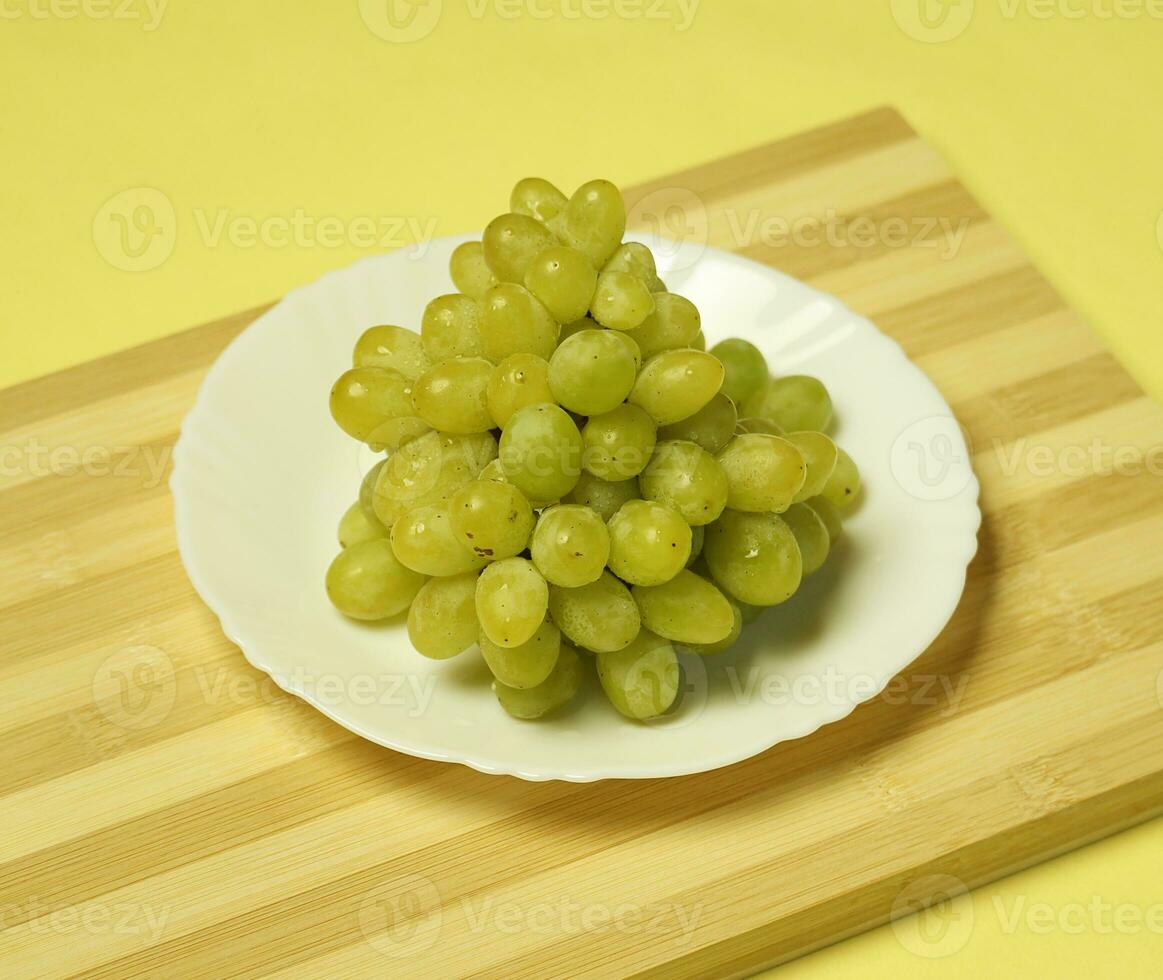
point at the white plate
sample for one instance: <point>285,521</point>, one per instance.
<point>262,475</point>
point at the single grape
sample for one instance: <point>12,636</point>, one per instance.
<point>728,641</point>
<point>519,380</point>
<point>569,329</point>
<point>754,557</point>
<point>514,321</point>
<point>674,324</point>
<point>687,478</point>
<point>618,443</point>
<point>527,665</point>
<point>364,398</point>
<point>750,613</point>
<point>820,456</point>
<point>356,526</point>
<point>367,490</point>
<point>592,372</point>
<point>428,470</point>
<point>756,425</point>
<point>595,220</point>
<point>621,301</point>
<point>843,486</point>
<point>698,534</point>
<point>570,545</point>
<point>745,365</point>
<point>442,620</point>
<point>603,496</point>
<point>451,396</point>
<point>563,280</point>
<point>367,581</point>
<point>649,543</point>
<point>627,341</point>
<point>675,384</point>
<point>827,513</point>
<point>811,535</point>
<point>496,473</point>
<point>688,609</point>
<point>423,540</point>
<point>537,198</point>
<point>712,426</point>
<point>642,679</point>
<point>700,342</point>
<point>796,403</point>
<point>470,272</point>
<point>599,616</point>
<point>552,693</point>
<point>450,327</point>
<point>636,259</point>
<point>764,473</point>
<point>511,600</point>
<point>491,518</point>
<point>541,452</point>
<point>393,348</point>
<point>510,243</point>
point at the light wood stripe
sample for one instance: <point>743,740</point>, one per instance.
<point>257,829</point>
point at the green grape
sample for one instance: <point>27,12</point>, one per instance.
<point>570,545</point>
<point>599,616</point>
<point>451,396</point>
<point>827,513</point>
<point>750,613</point>
<point>604,497</point>
<point>442,620</point>
<point>753,426</point>
<point>563,280</point>
<point>541,452</point>
<point>552,693</point>
<point>745,366</point>
<point>675,384</point>
<point>712,426</point>
<point>700,342</point>
<point>687,478</point>
<point>513,321</point>
<point>391,347</point>
<point>698,534</point>
<point>764,473</point>
<point>527,665</point>
<point>636,259</point>
<point>569,329</point>
<point>367,581</point>
<point>511,600</point>
<point>674,324</point>
<point>367,490</point>
<point>811,535</point>
<point>423,540</point>
<point>495,472</point>
<point>618,443</point>
<point>591,372</point>
<point>797,403</point>
<point>728,641</point>
<point>519,380</point>
<point>595,220</point>
<point>470,272</point>
<point>843,486</point>
<point>450,327</point>
<point>621,301</point>
<point>628,342</point>
<point>537,198</point>
<point>510,243</point>
<point>649,543</point>
<point>754,557</point>
<point>395,433</point>
<point>364,398</point>
<point>641,680</point>
<point>356,526</point>
<point>688,609</point>
<point>820,456</point>
<point>428,470</point>
<point>491,518</point>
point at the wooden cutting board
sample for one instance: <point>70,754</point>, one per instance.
<point>168,812</point>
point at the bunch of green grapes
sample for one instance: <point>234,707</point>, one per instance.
<point>568,471</point>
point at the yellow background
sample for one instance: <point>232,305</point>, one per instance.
<point>243,111</point>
